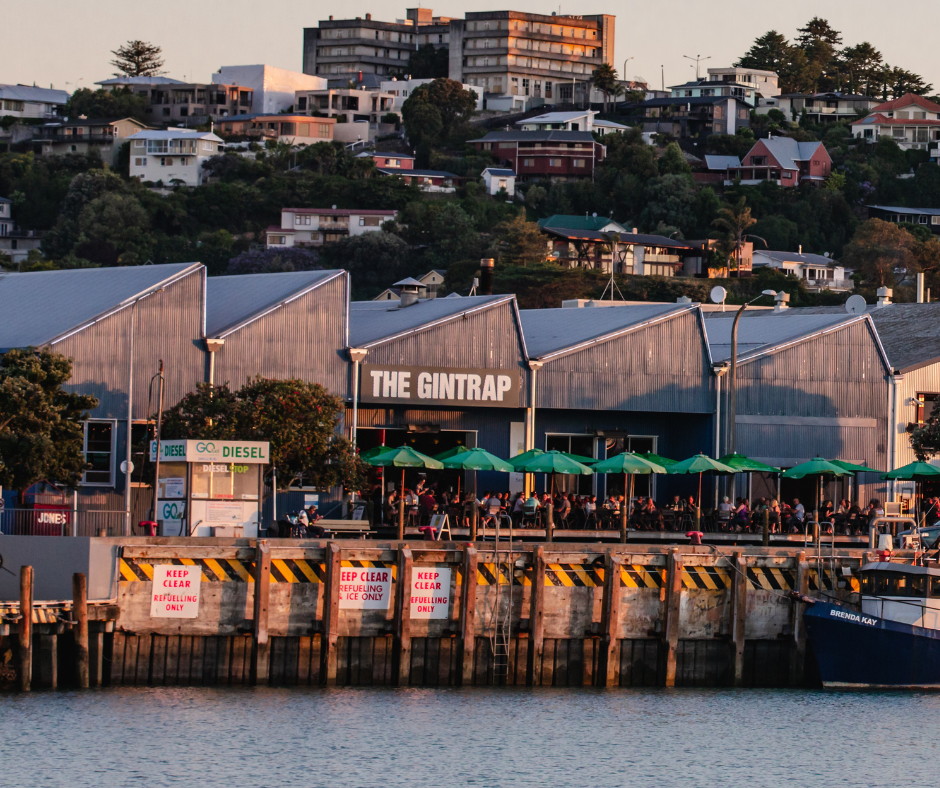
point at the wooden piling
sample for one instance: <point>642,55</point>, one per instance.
<point>798,655</point>
<point>671,627</point>
<point>765,539</point>
<point>401,662</point>
<point>468,609</point>
<point>623,520</point>
<point>25,628</point>
<point>80,629</point>
<point>536,618</point>
<point>549,520</point>
<point>474,521</point>
<point>608,672</point>
<point>48,661</point>
<point>401,514</point>
<point>328,653</point>
<point>260,643</point>
<point>738,615</point>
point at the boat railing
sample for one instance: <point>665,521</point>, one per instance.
<point>889,524</point>
<point>920,605</point>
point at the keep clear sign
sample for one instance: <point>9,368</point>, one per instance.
<point>175,591</point>
<point>365,588</point>
<point>430,592</point>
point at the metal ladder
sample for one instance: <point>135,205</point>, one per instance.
<point>502,619</point>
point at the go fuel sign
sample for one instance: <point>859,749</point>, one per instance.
<point>242,452</point>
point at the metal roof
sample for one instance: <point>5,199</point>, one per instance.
<point>910,333</point>
<point>906,211</point>
<point>551,331</point>
<point>4,199</point>
<point>574,222</point>
<point>787,151</point>
<point>425,173</point>
<point>33,94</point>
<point>233,301</point>
<point>537,136</point>
<point>793,257</point>
<point>372,325</point>
<point>771,330</point>
<point>556,117</point>
<point>638,239</point>
<point>500,173</point>
<point>175,134</point>
<point>141,81</point>
<point>721,162</point>
<point>40,306</point>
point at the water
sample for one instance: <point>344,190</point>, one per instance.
<point>241,738</point>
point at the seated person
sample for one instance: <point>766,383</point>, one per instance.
<point>725,511</point>
<point>797,517</point>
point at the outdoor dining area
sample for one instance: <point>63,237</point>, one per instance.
<point>420,505</point>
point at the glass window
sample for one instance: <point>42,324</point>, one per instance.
<point>225,481</point>
<point>935,586</point>
<point>99,452</point>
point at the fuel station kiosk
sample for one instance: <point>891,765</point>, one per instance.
<point>210,487</point>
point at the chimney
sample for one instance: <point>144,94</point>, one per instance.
<point>683,300</point>
<point>781,301</point>
<point>635,231</point>
<point>920,288</point>
<point>884,296</point>
<point>408,296</point>
<point>368,17</point>
<point>486,276</point>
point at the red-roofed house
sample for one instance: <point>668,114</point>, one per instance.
<point>319,226</point>
<point>913,122</point>
<point>784,161</point>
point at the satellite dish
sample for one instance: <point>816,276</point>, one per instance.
<point>856,305</point>
<point>717,294</point>
<point>594,214</point>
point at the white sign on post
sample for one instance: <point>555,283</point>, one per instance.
<point>175,591</point>
<point>430,592</point>
<point>365,588</point>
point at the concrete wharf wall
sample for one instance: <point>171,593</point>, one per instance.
<point>582,615</point>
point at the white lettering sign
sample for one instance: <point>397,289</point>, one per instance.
<point>175,591</point>
<point>365,588</point>
<point>480,387</point>
<point>257,452</point>
<point>430,592</point>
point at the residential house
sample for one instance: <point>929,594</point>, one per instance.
<point>274,89</point>
<point>316,227</point>
<point>389,160</point>
<point>347,104</point>
<point>784,161</point>
<point>432,181</point>
<point>709,88</point>
<point>714,168</point>
<point>693,117</point>
<point>186,103</point>
<point>819,107</point>
<point>819,272</point>
<point>174,155</point>
<point>25,101</point>
<point>548,155</point>
<point>496,180</point>
<point>13,243</point>
<point>913,122</point>
<point>763,83</point>
<point>579,120</point>
<point>926,217</point>
<point>292,129</point>
<point>401,89</point>
<point>427,285</point>
<point>635,253</point>
<point>601,224</point>
<point>106,135</point>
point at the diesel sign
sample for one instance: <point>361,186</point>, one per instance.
<point>441,386</point>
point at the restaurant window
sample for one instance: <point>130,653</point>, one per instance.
<point>925,402</point>
<point>581,445</point>
<point>99,452</point>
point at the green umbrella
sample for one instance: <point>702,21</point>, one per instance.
<point>744,464</point>
<point>375,450</point>
<point>478,460</point>
<point>522,459</point>
<point>552,462</point>
<point>403,457</point>
<point>916,472</point>
<point>580,458</point>
<point>847,466</point>
<point>665,462</point>
<point>816,467</point>
<point>627,463</point>
<point>699,464</point>
<point>446,455</point>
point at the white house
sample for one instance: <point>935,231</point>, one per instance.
<point>402,88</point>
<point>320,226</point>
<point>14,244</point>
<point>496,179</point>
<point>24,101</point>
<point>820,272</point>
<point>274,88</point>
<point>912,121</point>
<point>172,155</point>
<point>582,120</point>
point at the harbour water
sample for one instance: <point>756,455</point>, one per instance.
<point>365,737</point>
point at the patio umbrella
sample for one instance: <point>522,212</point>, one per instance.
<point>374,451</point>
<point>816,467</point>
<point>580,458</point>
<point>847,466</point>
<point>522,459</point>
<point>699,464</point>
<point>744,464</point>
<point>478,460</point>
<point>627,463</point>
<point>446,455</point>
<point>915,472</point>
<point>665,462</point>
<point>403,457</point>
<point>552,462</point>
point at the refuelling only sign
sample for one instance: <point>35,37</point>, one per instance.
<point>365,588</point>
<point>430,592</point>
<point>175,591</point>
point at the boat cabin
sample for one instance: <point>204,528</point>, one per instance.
<point>901,592</point>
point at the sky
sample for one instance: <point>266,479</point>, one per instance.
<point>73,47</point>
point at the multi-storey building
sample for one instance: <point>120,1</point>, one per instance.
<point>26,101</point>
<point>174,155</point>
<point>14,243</point>
<point>315,227</point>
<point>105,135</point>
<point>548,155</point>
<point>187,103</point>
<point>273,88</point>
<point>287,127</point>
<point>766,83</point>
<point>912,121</point>
<point>347,103</point>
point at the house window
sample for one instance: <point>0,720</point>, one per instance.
<point>925,405</point>
<point>528,162</point>
<point>370,221</point>
<point>302,102</point>
<point>278,240</point>
<point>758,161</point>
<point>578,162</point>
<point>139,143</point>
<point>899,133</point>
<point>158,146</point>
<point>166,162</point>
<point>788,176</point>
<point>742,114</point>
<point>935,219</point>
<point>99,452</point>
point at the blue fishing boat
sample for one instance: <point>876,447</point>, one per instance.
<point>892,640</point>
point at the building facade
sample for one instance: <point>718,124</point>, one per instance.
<point>288,128</point>
<point>819,272</point>
<point>14,243</point>
<point>172,156</point>
<point>912,121</point>
<point>28,101</point>
<point>315,227</point>
<point>784,161</point>
<point>544,155</point>
<point>273,89</point>
<point>85,134</point>
<point>186,103</point>
<point>347,104</point>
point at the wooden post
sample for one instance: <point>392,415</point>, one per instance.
<point>549,521</point>
<point>765,540</point>
<point>468,609</point>
<point>698,518</point>
<point>536,618</point>
<point>798,658</point>
<point>671,629</point>
<point>738,615</point>
<point>48,661</point>
<point>623,520</point>
<point>328,653</point>
<point>25,628</point>
<point>260,645</point>
<point>401,515</point>
<point>608,673</point>
<point>401,662</point>
<point>80,631</point>
<point>474,520</point>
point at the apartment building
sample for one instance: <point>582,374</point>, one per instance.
<point>171,156</point>
<point>766,83</point>
<point>273,88</point>
<point>544,155</point>
<point>292,129</point>
<point>106,135</point>
<point>314,227</point>
<point>26,101</point>
<point>14,243</point>
<point>186,103</point>
<point>348,104</point>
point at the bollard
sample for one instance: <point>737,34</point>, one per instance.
<point>102,532</point>
<point>549,523</point>
<point>623,523</point>
<point>80,632</point>
<point>474,521</point>
<point>766,538</point>
<point>25,628</point>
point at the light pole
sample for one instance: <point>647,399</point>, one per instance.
<point>623,74</point>
<point>698,59</point>
<point>732,383</point>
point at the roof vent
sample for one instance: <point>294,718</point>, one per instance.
<point>409,292</point>
<point>781,301</point>
<point>683,300</point>
<point>884,296</point>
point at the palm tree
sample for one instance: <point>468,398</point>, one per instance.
<point>605,78</point>
<point>735,220</point>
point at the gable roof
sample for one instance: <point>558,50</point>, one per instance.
<point>906,211</point>
<point>557,117</point>
<point>794,257</point>
<point>713,162</point>
<point>175,134</point>
<point>787,151</point>
<point>42,306</point>
<point>34,94</point>
<point>233,301</point>
<point>907,100</point>
<point>884,120</point>
<point>549,332</point>
<point>372,322</point>
<point>500,173</point>
<point>574,222</point>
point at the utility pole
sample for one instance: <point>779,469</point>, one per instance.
<point>733,388</point>
<point>156,472</point>
<point>698,59</point>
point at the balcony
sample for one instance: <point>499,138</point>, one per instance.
<point>838,285</point>
<point>672,259</point>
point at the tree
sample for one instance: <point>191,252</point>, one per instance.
<point>41,435</point>
<point>423,123</point>
<point>427,62</point>
<point>672,162</point>
<point>519,242</point>
<point>299,419</point>
<point>454,105</point>
<point>735,220</point>
<point>670,199</point>
<point>769,52</point>
<point>138,59</point>
<point>605,80</point>
<point>864,66</point>
<point>877,249</point>
<point>119,103</point>
<point>374,261</point>
<point>270,261</point>
<point>114,229</point>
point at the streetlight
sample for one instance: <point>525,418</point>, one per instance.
<point>624,73</point>
<point>732,410</point>
<point>698,59</point>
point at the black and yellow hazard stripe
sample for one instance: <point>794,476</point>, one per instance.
<point>42,614</point>
<point>707,578</point>
<point>637,576</point>
<point>767,578</point>
<point>225,570</point>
